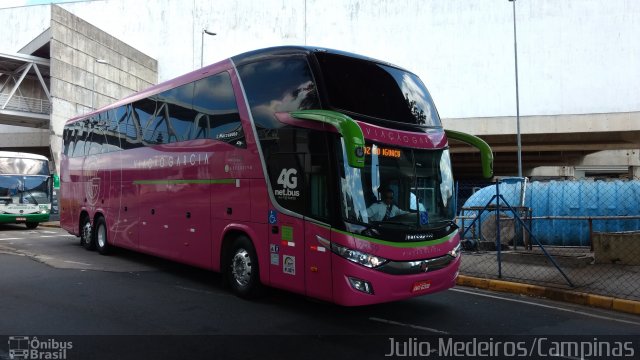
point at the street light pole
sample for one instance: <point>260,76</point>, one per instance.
<point>204,31</point>
<point>93,89</point>
<point>515,52</point>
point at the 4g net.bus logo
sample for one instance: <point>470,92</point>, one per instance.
<point>289,180</point>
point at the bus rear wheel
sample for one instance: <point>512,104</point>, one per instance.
<point>100,236</point>
<point>243,274</point>
<point>86,236</point>
<point>31,225</point>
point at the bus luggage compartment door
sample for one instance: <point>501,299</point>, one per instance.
<point>286,253</point>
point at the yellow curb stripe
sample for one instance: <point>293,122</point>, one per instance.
<point>599,301</point>
<point>628,306</point>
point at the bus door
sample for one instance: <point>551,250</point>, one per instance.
<point>286,252</point>
<point>299,258</point>
<point>287,232</point>
<point>317,232</point>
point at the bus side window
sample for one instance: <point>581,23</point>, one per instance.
<point>81,138</point>
<point>73,133</point>
<point>93,144</point>
<point>99,139</point>
<point>111,131</point>
<point>201,127</point>
<point>155,131</point>
<point>128,127</point>
<point>215,99</point>
<point>66,139</point>
<point>180,114</point>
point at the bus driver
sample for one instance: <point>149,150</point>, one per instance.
<point>385,209</point>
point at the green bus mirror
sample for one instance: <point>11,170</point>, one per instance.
<point>56,181</point>
<point>486,156</point>
<point>346,126</point>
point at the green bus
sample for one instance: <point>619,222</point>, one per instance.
<point>26,189</point>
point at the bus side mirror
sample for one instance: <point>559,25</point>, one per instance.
<point>486,156</point>
<point>56,181</point>
<point>346,126</point>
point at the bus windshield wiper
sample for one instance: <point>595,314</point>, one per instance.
<point>31,195</point>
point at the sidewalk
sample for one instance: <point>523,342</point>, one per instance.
<point>51,224</point>
<point>606,286</point>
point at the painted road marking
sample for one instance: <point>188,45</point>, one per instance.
<point>5,239</point>
<point>201,291</point>
<point>48,236</point>
<point>548,307</point>
<point>76,262</point>
<point>391,322</point>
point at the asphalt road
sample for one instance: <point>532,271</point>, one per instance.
<point>50,285</point>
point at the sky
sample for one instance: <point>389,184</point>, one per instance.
<point>16,3</point>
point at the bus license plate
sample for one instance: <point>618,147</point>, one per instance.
<point>421,285</point>
<point>21,219</point>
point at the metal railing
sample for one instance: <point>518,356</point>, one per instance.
<point>26,104</point>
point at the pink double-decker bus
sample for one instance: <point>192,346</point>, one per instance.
<point>316,171</point>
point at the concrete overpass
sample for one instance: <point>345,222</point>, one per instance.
<point>25,103</point>
<point>25,99</point>
<point>554,146</point>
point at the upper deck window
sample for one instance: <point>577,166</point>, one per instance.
<point>375,90</point>
<point>280,84</point>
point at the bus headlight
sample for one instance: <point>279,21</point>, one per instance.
<point>358,257</point>
<point>455,252</point>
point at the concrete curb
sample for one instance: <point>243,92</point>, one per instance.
<point>574,297</point>
<point>50,224</point>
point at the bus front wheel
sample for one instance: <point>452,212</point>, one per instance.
<point>242,273</point>
<point>86,238</point>
<point>100,236</point>
<point>31,225</point>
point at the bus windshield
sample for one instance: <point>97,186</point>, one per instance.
<point>25,189</point>
<point>376,90</point>
<point>399,188</point>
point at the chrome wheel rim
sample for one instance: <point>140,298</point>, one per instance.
<point>241,267</point>
<point>102,236</point>
<point>86,232</point>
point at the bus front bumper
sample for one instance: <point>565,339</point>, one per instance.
<point>384,287</point>
<point>23,218</point>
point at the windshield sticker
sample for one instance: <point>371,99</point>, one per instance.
<point>287,233</point>
<point>424,218</point>
<point>289,264</point>
<point>275,259</point>
<point>287,236</point>
<point>273,217</point>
